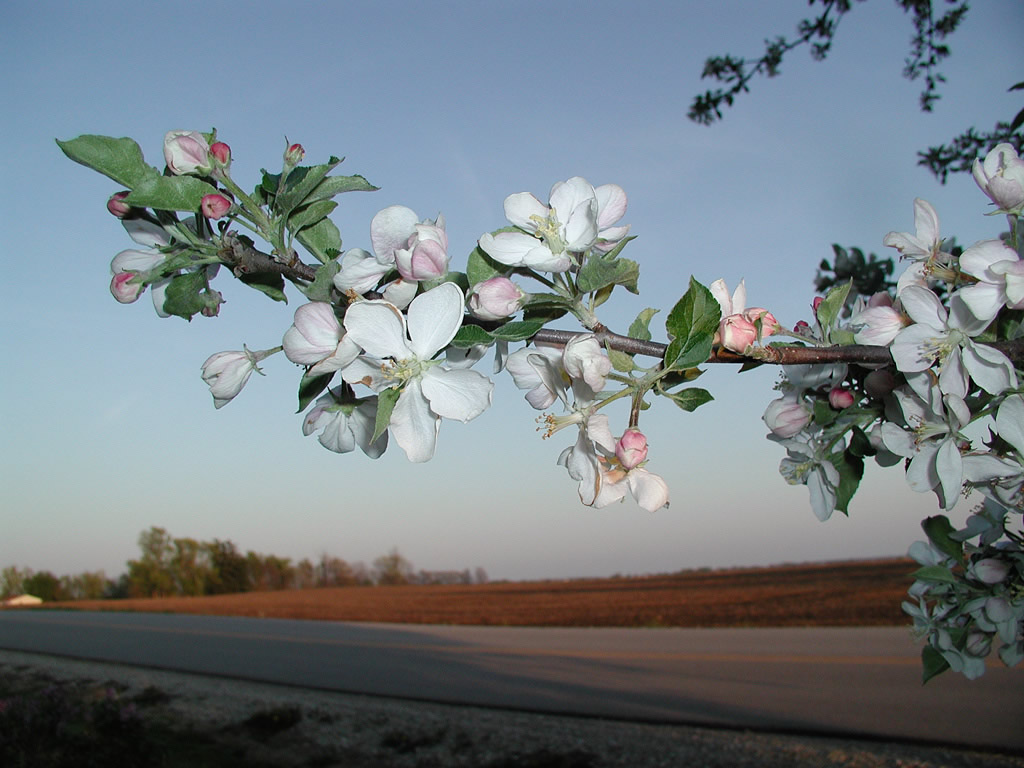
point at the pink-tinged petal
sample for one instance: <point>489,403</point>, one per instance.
<point>314,335</point>
<point>613,488</point>
<point>434,319</point>
<point>459,394</point>
<point>721,293</point>
<point>613,234</point>
<point>923,306</point>
<point>1013,274</point>
<point>413,425</point>
<point>980,257</point>
<point>649,490</point>
<point>522,207</point>
<point>896,440</point>
<point>581,462</point>
<point>611,202</point>
<point>985,467</point>
<point>906,244</point>
<point>362,423</point>
<point>379,328</point>
<point>390,229</point>
<point>549,378</point>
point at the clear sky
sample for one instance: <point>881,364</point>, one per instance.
<point>449,107</point>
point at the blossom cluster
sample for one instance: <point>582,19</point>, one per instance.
<point>388,338</point>
<point>949,409</point>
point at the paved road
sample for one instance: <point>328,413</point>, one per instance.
<point>861,681</point>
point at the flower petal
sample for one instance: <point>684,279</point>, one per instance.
<point>379,328</point>
<point>434,319</point>
<point>414,425</point>
<point>459,394</point>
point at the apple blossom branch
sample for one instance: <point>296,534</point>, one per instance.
<point>245,259</point>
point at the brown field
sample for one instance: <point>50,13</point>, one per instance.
<point>853,593</point>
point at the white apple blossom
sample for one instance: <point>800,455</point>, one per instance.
<point>141,263</point>
<point>942,336</point>
<point>807,464</point>
<point>539,369</point>
<point>344,425</point>
<point>925,244</point>
<point>576,218</point>
<point>1000,274</point>
<point>227,372</point>
<point>581,460</point>
<point>316,339</point>
<point>187,152</point>
<point>587,365</point>
<point>399,354</point>
<point>1001,177</point>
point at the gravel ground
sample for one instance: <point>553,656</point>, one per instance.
<point>279,725</point>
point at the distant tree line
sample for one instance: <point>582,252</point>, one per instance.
<point>169,566</point>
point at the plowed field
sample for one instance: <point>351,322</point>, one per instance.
<point>857,593</point>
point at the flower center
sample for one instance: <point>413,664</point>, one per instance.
<point>549,230</point>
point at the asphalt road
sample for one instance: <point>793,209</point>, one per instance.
<point>863,682</point>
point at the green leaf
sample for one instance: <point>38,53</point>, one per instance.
<point>336,185</point>
<point>386,401</point>
<point>689,399</point>
<point>851,470</point>
<point>322,239</point>
<point>118,159</point>
<point>310,387</point>
<point>470,335</point>
<point>832,304</point>
<point>300,183</point>
<point>480,267</point>
<point>170,193</point>
<point>621,361</point>
<point>692,324</point>
<point>641,327</point>
<point>933,663</point>
<point>320,288</point>
<point>309,215</point>
<point>270,284</point>
<point>935,573</point>
<point>602,271</point>
<point>938,529</point>
<point>182,298</point>
<point>823,413</point>
<point>517,330</point>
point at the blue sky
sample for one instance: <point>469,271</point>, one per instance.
<point>449,107</point>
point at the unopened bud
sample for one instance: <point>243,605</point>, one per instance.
<point>294,155</point>
<point>631,449</point>
<point>215,206</point>
<point>125,288</point>
<point>221,152</point>
<point>117,206</point>
<point>840,398</point>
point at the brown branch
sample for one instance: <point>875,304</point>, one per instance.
<point>860,354</point>
<point>244,259</point>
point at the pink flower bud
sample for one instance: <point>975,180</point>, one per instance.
<point>840,398</point>
<point>737,333</point>
<point>786,416</point>
<point>117,206</point>
<point>294,155</point>
<point>186,152</point>
<point>496,298</point>
<point>631,449</point>
<point>990,570</point>
<point>801,327</point>
<point>817,303</point>
<point>221,152</point>
<point>1001,177</point>
<point>124,289</point>
<point>215,206</point>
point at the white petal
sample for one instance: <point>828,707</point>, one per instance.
<point>950,468</point>
<point>984,468</point>
<point>508,247</point>
<point>520,209</point>
<point>1010,422</point>
<point>413,424</point>
<point>146,233</point>
<point>923,306</point>
<point>909,348</point>
<point>990,368</point>
<point>459,394</point>
<point>611,201</point>
<point>360,271</point>
<point>391,228</point>
<point>649,490</point>
<point>434,319</point>
<point>379,328</point>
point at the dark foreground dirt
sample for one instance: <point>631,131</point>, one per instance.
<point>59,712</point>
